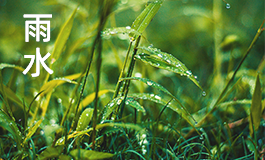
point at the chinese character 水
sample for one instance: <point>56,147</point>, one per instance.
<point>39,60</point>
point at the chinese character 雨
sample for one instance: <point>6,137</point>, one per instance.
<point>39,60</point>
<point>39,25</point>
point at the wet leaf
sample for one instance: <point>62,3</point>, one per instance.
<point>49,86</point>
<point>143,20</point>
<point>90,98</point>
<point>32,130</point>
<point>111,106</point>
<point>119,30</point>
<point>133,103</point>
<point>159,59</point>
<point>6,65</point>
<point>83,154</point>
<point>63,36</point>
<point>10,125</point>
<point>256,108</point>
<point>84,119</point>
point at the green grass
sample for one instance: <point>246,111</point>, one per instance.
<point>136,80</point>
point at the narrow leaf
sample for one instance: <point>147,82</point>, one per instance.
<point>90,98</point>
<point>6,65</point>
<point>159,59</point>
<point>143,20</point>
<point>256,107</point>
<point>10,125</point>
<point>133,103</point>
<point>11,96</point>
<point>49,86</point>
<point>89,154</point>
<point>99,126</point>
<point>119,30</point>
<point>51,152</point>
<point>63,36</point>
<point>32,130</point>
<point>84,119</point>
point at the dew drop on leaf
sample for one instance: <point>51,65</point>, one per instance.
<point>227,6</point>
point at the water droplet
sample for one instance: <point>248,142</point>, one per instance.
<point>128,27</point>
<point>87,114</point>
<point>150,46</point>
<point>149,83</point>
<point>227,6</point>
<point>112,104</point>
<point>203,93</point>
<point>195,77</point>
<point>157,97</point>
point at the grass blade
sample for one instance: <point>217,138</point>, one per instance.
<point>143,20</point>
<point>88,154</point>
<point>256,108</point>
<point>155,57</point>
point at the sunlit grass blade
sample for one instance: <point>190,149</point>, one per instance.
<point>256,107</point>
<point>110,107</point>
<point>159,59</point>
<point>84,119</point>
<point>31,131</point>
<point>90,98</point>
<point>63,36</point>
<point>51,152</point>
<point>100,126</point>
<point>49,86</point>
<point>143,20</point>
<point>7,123</point>
<point>88,154</point>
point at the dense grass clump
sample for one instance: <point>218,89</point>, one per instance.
<point>135,80</point>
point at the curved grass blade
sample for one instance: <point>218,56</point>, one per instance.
<point>84,119</point>
<point>63,36</point>
<point>133,103</point>
<point>256,107</point>
<point>11,96</point>
<point>161,88</point>
<point>6,65</point>
<point>159,59</point>
<point>90,98</point>
<point>10,125</point>
<point>119,30</point>
<point>89,154</point>
<point>99,126</point>
<point>143,20</point>
<point>49,86</point>
<point>111,106</point>
<point>31,131</point>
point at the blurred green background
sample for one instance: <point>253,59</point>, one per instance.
<point>184,28</point>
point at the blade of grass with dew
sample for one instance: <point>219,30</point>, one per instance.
<point>6,65</point>
<point>88,154</point>
<point>49,86</point>
<point>133,103</point>
<point>61,40</point>
<point>99,126</point>
<point>143,20</point>
<point>63,36</point>
<point>161,88</point>
<point>84,119</point>
<point>256,107</point>
<point>7,123</point>
<point>31,131</point>
<point>119,30</point>
<point>155,57</point>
